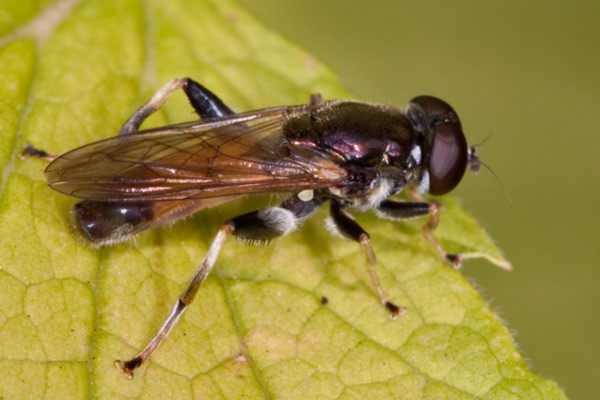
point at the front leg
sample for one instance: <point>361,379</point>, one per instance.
<point>349,228</point>
<point>257,226</point>
<point>396,210</point>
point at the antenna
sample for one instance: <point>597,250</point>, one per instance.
<point>475,163</point>
<point>504,191</point>
<point>484,141</point>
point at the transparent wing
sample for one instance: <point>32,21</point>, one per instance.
<point>245,153</point>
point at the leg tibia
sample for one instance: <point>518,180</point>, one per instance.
<point>396,210</point>
<point>181,304</point>
<point>455,260</point>
<point>134,122</point>
<point>349,228</point>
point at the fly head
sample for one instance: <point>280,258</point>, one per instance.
<point>440,135</point>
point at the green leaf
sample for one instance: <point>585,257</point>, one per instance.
<point>258,328</point>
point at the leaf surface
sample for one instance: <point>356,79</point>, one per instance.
<point>258,328</point>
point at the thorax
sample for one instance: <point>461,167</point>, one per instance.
<point>373,143</point>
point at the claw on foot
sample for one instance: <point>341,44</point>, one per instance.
<point>30,151</point>
<point>128,366</point>
<point>455,260</point>
<point>394,310</point>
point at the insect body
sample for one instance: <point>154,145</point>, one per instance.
<point>349,154</point>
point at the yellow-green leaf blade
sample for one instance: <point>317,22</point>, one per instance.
<point>258,328</point>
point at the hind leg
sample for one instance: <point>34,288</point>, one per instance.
<point>30,151</point>
<point>205,102</point>
<point>131,126</point>
<point>134,122</point>
<point>105,223</point>
<point>257,226</point>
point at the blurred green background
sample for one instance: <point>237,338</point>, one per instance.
<point>527,73</point>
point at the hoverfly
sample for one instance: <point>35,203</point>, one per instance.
<point>349,154</point>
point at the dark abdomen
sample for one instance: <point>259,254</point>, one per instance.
<point>110,222</point>
<point>104,223</point>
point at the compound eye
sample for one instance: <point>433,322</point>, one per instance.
<point>427,112</point>
<point>448,158</point>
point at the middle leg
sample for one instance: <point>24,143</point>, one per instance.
<point>349,228</point>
